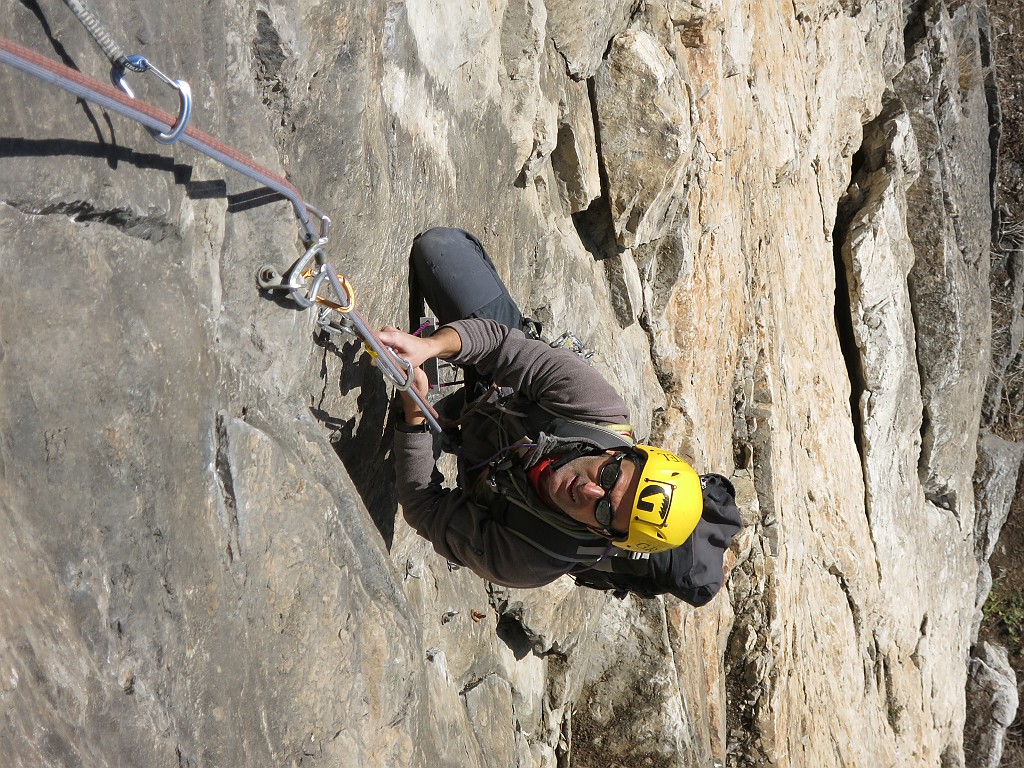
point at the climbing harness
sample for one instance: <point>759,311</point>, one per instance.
<point>312,278</point>
<point>504,475</point>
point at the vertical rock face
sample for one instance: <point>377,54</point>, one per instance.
<point>642,103</point>
<point>772,223</point>
<point>950,204</point>
<point>992,688</point>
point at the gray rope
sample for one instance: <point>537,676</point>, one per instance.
<point>110,48</point>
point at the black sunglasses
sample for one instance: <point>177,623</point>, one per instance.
<point>607,479</point>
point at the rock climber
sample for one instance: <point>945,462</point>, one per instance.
<point>550,479</point>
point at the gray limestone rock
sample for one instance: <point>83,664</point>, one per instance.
<point>581,32</point>
<point>992,705</point>
<point>995,483</point>
<point>995,480</point>
<point>643,108</point>
<point>951,208</point>
<point>205,562</point>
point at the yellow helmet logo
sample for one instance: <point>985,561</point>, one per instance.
<point>655,496</point>
<point>668,503</point>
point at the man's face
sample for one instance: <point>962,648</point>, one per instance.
<point>575,489</point>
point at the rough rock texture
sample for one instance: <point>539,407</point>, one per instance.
<point>996,477</point>
<point>992,688</point>
<point>771,222</point>
<point>642,103</point>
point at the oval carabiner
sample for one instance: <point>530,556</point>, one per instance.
<point>343,289</point>
<point>185,98</point>
<point>138,63</point>
<point>297,275</point>
<point>405,365</point>
<point>341,286</point>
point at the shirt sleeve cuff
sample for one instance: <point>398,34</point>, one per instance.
<point>411,429</point>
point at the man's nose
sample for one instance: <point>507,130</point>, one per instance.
<point>591,490</point>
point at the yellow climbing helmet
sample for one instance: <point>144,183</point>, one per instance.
<point>668,503</point>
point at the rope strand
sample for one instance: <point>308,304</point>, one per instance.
<point>110,48</point>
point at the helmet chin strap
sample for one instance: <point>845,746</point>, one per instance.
<point>585,450</point>
<point>574,454</point>
<point>608,533</point>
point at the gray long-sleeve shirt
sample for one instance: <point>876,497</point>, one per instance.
<point>460,528</point>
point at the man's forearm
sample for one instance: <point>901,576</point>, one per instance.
<point>446,343</point>
<point>443,344</point>
<point>412,414</point>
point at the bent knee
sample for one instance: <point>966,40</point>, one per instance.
<point>438,243</point>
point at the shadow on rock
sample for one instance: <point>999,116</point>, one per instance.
<point>102,150</point>
<point>363,441</point>
<point>115,154</point>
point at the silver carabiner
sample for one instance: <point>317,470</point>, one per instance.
<point>178,129</point>
<point>406,366</point>
<point>295,285</point>
<point>117,72</point>
<point>325,223</point>
<point>142,64</point>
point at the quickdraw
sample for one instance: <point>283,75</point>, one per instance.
<point>120,63</point>
<point>305,284</point>
<point>307,281</point>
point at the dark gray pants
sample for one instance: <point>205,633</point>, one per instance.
<point>450,269</point>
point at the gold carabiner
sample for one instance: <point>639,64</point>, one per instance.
<point>346,287</point>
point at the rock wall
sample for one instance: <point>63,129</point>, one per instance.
<point>771,222</point>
